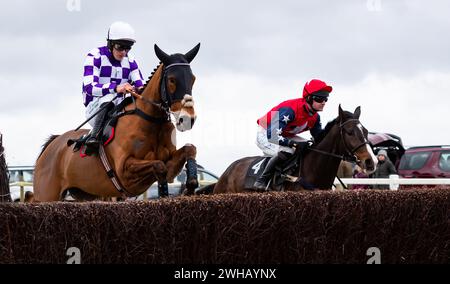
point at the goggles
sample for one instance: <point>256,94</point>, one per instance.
<point>121,47</point>
<point>319,99</point>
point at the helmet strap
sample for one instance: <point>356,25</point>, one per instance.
<point>308,107</point>
<point>110,45</point>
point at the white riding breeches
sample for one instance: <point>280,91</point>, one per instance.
<point>95,104</point>
<point>270,148</point>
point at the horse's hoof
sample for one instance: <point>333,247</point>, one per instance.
<point>191,185</point>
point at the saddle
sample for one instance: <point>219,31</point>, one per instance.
<point>108,131</point>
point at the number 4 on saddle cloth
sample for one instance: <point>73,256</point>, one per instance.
<point>287,171</point>
<point>107,132</point>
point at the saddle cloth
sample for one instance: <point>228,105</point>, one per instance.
<point>254,170</point>
<point>281,172</point>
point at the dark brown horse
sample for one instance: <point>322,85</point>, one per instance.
<point>342,137</point>
<point>143,150</point>
<point>5,195</point>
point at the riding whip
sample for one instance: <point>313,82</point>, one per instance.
<point>97,112</point>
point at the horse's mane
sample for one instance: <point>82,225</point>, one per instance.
<point>151,76</point>
<point>329,125</point>
<point>49,140</point>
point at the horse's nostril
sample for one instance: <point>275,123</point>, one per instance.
<point>180,120</point>
<point>192,121</point>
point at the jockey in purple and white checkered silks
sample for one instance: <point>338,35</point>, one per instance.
<point>108,71</point>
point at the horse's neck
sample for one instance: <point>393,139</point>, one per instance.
<point>152,93</point>
<point>318,168</point>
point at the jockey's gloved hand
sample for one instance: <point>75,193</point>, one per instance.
<point>292,143</point>
<point>124,88</point>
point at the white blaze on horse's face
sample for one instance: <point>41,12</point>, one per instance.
<point>185,117</point>
<point>368,159</point>
<point>373,161</point>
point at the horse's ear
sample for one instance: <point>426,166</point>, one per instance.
<point>341,113</point>
<point>357,112</point>
<point>192,53</point>
<point>164,57</point>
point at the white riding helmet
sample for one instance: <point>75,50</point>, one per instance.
<point>121,31</point>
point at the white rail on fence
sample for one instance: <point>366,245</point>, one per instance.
<point>22,185</point>
<point>394,181</point>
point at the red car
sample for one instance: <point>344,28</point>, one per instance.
<point>425,162</point>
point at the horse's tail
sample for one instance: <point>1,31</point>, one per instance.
<point>206,189</point>
<point>49,140</point>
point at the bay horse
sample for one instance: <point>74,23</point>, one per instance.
<point>343,137</point>
<point>5,195</point>
<point>143,150</point>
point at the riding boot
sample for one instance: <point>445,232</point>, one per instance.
<point>93,141</point>
<point>262,181</point>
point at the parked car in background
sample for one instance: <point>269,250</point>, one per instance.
<point>425,162</point>
<point>20,176</point>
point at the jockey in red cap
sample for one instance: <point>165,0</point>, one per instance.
<point>278,129</point>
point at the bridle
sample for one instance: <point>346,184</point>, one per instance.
<point>352,152</point>
<point>165,98</point>
<point>165,103</point>
<point>349,155</point>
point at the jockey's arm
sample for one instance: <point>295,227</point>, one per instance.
<point>135,75</point>
<point>277,124</point>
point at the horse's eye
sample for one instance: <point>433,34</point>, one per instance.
<point>172,81</point>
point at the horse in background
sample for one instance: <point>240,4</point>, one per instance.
<point>143,150</point>
<point>344,137</point>
<point>5,195</point>
<point>345,170</point>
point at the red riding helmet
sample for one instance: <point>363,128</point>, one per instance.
<point>316,85</point>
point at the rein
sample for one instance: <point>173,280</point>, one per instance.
<point>142,114</point>
<point>341,157</point>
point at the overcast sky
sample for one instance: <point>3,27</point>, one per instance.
<point>392,58</point>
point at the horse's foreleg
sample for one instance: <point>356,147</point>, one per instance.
<point>137,172</point>
<point>185,154</point>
